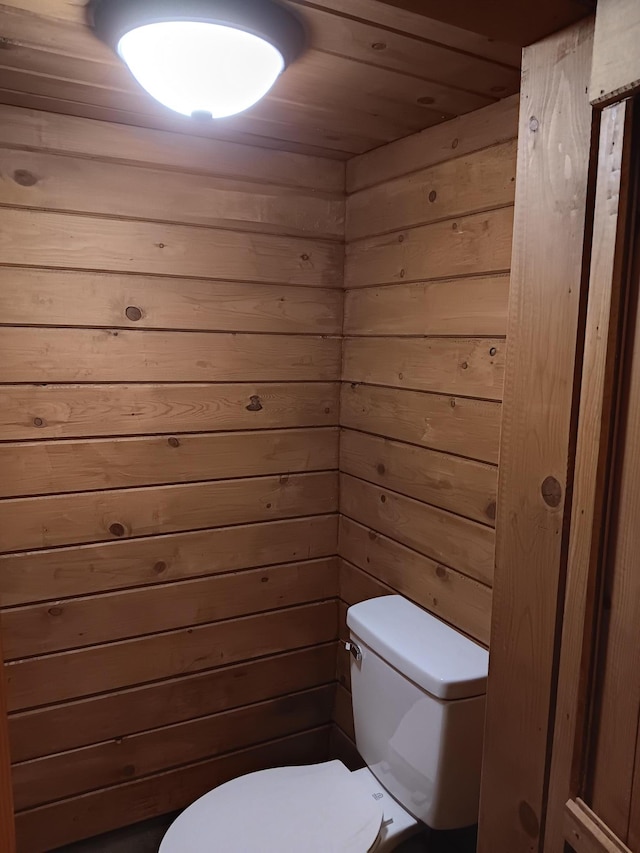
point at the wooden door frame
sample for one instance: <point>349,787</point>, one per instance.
<point>547,298</point>
<point>586,833</point>
<point>615,232</point>
<point>7,820</point>
<point>547,578</point>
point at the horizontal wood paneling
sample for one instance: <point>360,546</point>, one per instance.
<point>90,74</point>
<point>70,725</point>
<point>462,486</point>
<point>56,95</point>
<point>453,424</point>
<point>87,72</point>
<point>64,572</point>
<point>307,106</point>
<point>471,367</point>
<point>77,622</point>
<point>343,632</point>
<point>132,802</point>
<point>344,749</point>
<point>429,228</point>
<point>416,56</point>
<point>171,352</point>
<point>42,70</point>
<point>516,25</point>
<point>99,355</point>
<point>469,245</point>
<point>62,240</point>
<point>458,137</point>
<point>370,74</point>
<point>356,585</point>
<point>378,15</point>
<point>67,298</point>
<point>475,182</point>
<point>343,663</point>
<point>448,594</point>
<point>43,467</point>
<point>463,306</point>
<point>455,541</point>
<point>417,25</point>
<point>83,672</point>
<point>51,182</point>
<point>66,774</point>
<point>343,712</point>
<point>67,134</point>
<point>45,522</point>
<point>70,411</point>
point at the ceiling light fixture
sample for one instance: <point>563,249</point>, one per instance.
<point>201,58</point>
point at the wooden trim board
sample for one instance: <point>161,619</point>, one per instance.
<point>534,482</point>
<point>615,72</point>
<point>586,833</point>
<point>593,463</point>
<point>7,821</point>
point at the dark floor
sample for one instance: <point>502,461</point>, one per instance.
<point>141,838</point>
<point>460,841</point>
<point>146,837</point>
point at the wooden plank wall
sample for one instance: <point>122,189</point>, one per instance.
<point>171,312</point>
<point>428,229</point>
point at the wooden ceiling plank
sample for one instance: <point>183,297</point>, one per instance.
<point>368,11</point>
<point>316,78</point>
<point>71,42</point>
<point>384,104</point>
<point>417,57</point>
<point>379,118</point>
<point>341,37</point>
<point>402,21</point>
<point>354,83</point>
<point>521,23</point>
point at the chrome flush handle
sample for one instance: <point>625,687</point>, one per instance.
<point>355,650</point>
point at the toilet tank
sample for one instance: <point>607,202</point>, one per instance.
<point>418,704</point>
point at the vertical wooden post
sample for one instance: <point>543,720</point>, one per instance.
<point>543,361</point>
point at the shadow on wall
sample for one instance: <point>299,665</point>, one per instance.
<point>146,837</point>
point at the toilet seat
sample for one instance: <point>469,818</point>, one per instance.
<point>319,808</point>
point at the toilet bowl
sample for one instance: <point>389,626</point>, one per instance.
<point>318,808</point>
<point>418,690</point>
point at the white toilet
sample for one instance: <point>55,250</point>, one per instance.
<point>418,700</point>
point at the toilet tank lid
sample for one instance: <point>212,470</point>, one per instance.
<point>426,650</point>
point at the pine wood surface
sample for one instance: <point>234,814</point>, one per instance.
<point>171,355</point>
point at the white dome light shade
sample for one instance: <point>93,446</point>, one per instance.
<point>201,58</point>
<point>200,68</point>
